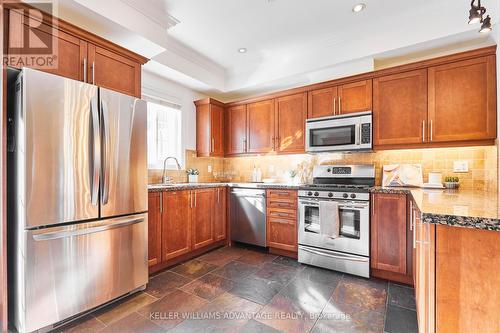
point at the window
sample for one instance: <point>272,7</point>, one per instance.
<point>164,135</point>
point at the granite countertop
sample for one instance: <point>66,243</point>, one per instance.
<point>189,186</point>
<point>461,208</point>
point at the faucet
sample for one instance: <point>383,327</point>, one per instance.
<point>167,179</point>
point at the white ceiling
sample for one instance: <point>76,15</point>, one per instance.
<point>289,42</point>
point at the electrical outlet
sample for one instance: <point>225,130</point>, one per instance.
<point>209,169</point>
<point>460,166</point>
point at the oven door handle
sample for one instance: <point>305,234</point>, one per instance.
<point>337,255</point>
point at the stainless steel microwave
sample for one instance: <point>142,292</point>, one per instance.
<point>350,132</point>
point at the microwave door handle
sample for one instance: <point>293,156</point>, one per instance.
<point>357,134</point>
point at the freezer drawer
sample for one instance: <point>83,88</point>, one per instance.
<point>67,270</point>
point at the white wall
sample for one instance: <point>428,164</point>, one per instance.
<point>160,87</point>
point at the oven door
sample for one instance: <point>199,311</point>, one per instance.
<point>339,133</point>
<point>354,227</point>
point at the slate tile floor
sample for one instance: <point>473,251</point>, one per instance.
<point>236,289</point>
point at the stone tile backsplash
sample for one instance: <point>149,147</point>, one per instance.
<point>482,163</point>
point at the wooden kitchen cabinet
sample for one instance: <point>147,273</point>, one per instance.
<point>261,127</point>
<point>111,70</point>
<point>462,101</point>
<point>400,109</point>
<point>322,103</point>
<point>184,224</point>
<point>154,228</point>
<point>425,242</point>
<point>176,226</point>
<point>342,99</point>
<point>466,279</point>
<point>80,55</point>
<point>220,214</point>
<point>236,124</point>
<point>281,217</point>
<point>202,213</point>
<point>355,97</point>
<point>291,115</point>
<point>391,253</point>
<point>209,128</point>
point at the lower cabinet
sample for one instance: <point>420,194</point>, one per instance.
<point>176,224</point>
<point>391,247</point>
<point>281,220</point>
<point>184,222</point>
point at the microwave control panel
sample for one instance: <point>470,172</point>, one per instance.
<point>365,133</point>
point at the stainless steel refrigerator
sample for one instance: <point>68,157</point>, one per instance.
<point>77,198</point>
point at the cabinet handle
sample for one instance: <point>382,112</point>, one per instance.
<point>274,143</point>
<point>431,130</point>
<point>245,145</point>
<point>161,202</point>
<point>195,198</point>
<point>212,149</point>
<point>93,72</point>
<point>373,204</point>
<point>411,215</point>
<point>190,199</point>
<point>282,221</point>
<point>423,130</point>
<point>334,105</point>
<point>282,214</point>
<point>340,106</point>
<point>218,195</point>
<point>414,231</point>
<point>84,69</point>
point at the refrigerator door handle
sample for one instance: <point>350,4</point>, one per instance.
<point>105,151</point>
<point>86,231</point>
<point>95,152</point>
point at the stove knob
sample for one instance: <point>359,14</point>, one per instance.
<point>345,195</point>
<point>330,194</point>
<point>309,193</point>
<point>353,196</point>
<point>328,170</point>
<point>316,194</point>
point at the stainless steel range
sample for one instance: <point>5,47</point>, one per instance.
<point>334,218</point>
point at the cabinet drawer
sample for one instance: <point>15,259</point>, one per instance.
<point>289,194</point>
<point>282,213</point>
<point>282,203</point>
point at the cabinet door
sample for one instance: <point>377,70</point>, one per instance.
<point>355,97</point>
<point>282,233</point>
<point>322,103</point>
<point>202,217</point>
<point>236,122</point>
<point>113,71</point>
<point>176,226</point>
<point>203,129</point>
<point>291,114</point>
<point>220,214</point>
<point>462,100</point>
<point>260,120</point>
<point>154,228</point>
<point>388,233</point>
<point>71,51</point>
<point>217,130</point>
<point>400,108</point>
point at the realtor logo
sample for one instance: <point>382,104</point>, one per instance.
<point>32,34</point>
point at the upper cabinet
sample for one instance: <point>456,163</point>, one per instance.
<point>80,55</point>
<point>291,114</point>
<point>355,97</point>
<point>400,108</point>
<point>342,99</point>
<point>261,121</point>
<point>462,100</point>
<point>209,128</point>
<point>113,71</point>
<point>236,124</point>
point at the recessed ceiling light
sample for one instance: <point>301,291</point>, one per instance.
<point>242,50</point>
<point>359,7</point>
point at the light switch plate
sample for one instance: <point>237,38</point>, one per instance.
<point>209,169</point>
<point>460,166</point>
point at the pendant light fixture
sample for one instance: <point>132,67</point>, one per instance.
<point>476,16</point>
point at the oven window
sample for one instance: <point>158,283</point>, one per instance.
<point>332,136</point>
<point>311,219</point>
<point>349,223</point>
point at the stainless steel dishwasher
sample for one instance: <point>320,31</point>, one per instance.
<point>248,216</point>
